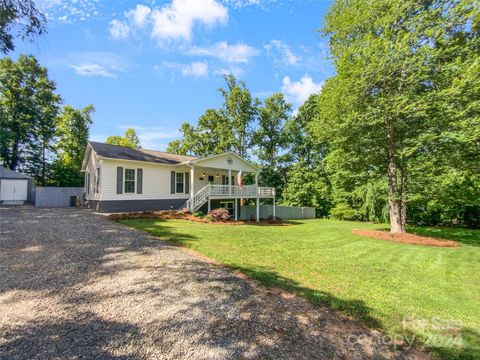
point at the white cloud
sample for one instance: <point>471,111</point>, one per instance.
<point>238,53</point>
<point>119,29</point>
<point>139,16</point>
<point>233,70</point>
<point>176,20</point>
<point>281,52</point>
<point>97,64</point>
<point>238,4</point>
<point>194,69</point>
<point>93,70</point>
<point>299,91</point>
<point>67,11</point>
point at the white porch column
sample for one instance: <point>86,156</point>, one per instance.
<point>236,210</point>
<point>256,180</point>
<point>258,209</point>
<point>229,181</point>
<point>208,205</point>
<point>192,182</point>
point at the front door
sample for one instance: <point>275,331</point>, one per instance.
<point>227,205</point>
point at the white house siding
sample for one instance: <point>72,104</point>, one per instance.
<point>155,185</point>
<point>92,163</point>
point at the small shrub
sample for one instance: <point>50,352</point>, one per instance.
<point>198,214</point>
<point>273,219</point>
<point>220,214</point>
<point>209,218</point>
<point>343,211</point>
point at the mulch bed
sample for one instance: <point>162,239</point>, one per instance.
<point>406,238</point>
<point>173,214</point>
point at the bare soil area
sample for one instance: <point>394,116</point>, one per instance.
<point>406,238</point>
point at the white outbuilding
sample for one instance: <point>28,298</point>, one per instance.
<point>15,188</point>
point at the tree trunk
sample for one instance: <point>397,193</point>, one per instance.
<point>14,157</point>
<point>404,189</point>
<point>43,165</point>
<point>393,198</point>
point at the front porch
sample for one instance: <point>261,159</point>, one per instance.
<point>210,183</point>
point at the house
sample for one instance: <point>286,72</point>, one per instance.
<point>15,188</point>
<point>119,179</point>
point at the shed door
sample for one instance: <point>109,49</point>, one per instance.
<point>13,190</point>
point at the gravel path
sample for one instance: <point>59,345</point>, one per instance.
<point>75,285</point>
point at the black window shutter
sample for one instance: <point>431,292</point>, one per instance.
<point>187,183</point>
<point>139,181</point>
<point>172,182</point>
<point>119,180</point>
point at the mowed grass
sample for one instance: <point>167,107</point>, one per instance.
<point>380,282</point>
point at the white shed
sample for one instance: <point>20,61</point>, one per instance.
<point>14,187</point>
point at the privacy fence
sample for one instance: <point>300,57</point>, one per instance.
<point>53,196</point>
<point>283,212</point>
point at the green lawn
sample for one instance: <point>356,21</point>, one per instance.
<point>377,281</point>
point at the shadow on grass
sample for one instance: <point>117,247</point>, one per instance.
<point>268,278</point>
<point>465,236</point>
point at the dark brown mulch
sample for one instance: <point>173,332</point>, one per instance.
<point>173,214</point>
<point>406,238</point>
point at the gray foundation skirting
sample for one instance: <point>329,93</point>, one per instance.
<point>111,206</point>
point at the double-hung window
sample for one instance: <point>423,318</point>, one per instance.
<point>130,181</point>
<point>180,183</point>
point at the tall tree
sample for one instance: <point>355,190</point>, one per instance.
<point>72,132</point>
<point>396,65</point>
<point>28,108</point>
<point>239,110</point>
<point>226,129</point>
<point>307,183</point>
<point>19,18</point>
<point>271,140</point>
<point>130,139</point>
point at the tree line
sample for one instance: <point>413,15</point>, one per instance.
<point>393,135</point>
<point>39,136</point>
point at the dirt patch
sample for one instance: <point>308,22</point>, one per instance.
<point>406,238</point>
<point>172,214</point>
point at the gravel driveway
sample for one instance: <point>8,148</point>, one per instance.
<point>76,285</point>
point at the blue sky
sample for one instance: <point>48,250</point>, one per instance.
<point>152,65</point>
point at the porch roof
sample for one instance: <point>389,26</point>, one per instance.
<point>225,161</point>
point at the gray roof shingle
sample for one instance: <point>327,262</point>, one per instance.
<point>126,153</point>
<point>10,174</point>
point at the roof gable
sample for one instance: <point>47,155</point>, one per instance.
<point>228,160</point>
<point>10,174</point>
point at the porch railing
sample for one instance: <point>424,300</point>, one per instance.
<point>227,191</point>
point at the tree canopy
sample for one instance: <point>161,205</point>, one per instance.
<point>130,139</point>
<point>19,18</point>
<point>405,90</point>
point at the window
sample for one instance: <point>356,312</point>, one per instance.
<point>179,186</point>
<point>225,180</point>
<point>210,179</point>
<point>129,180</point>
